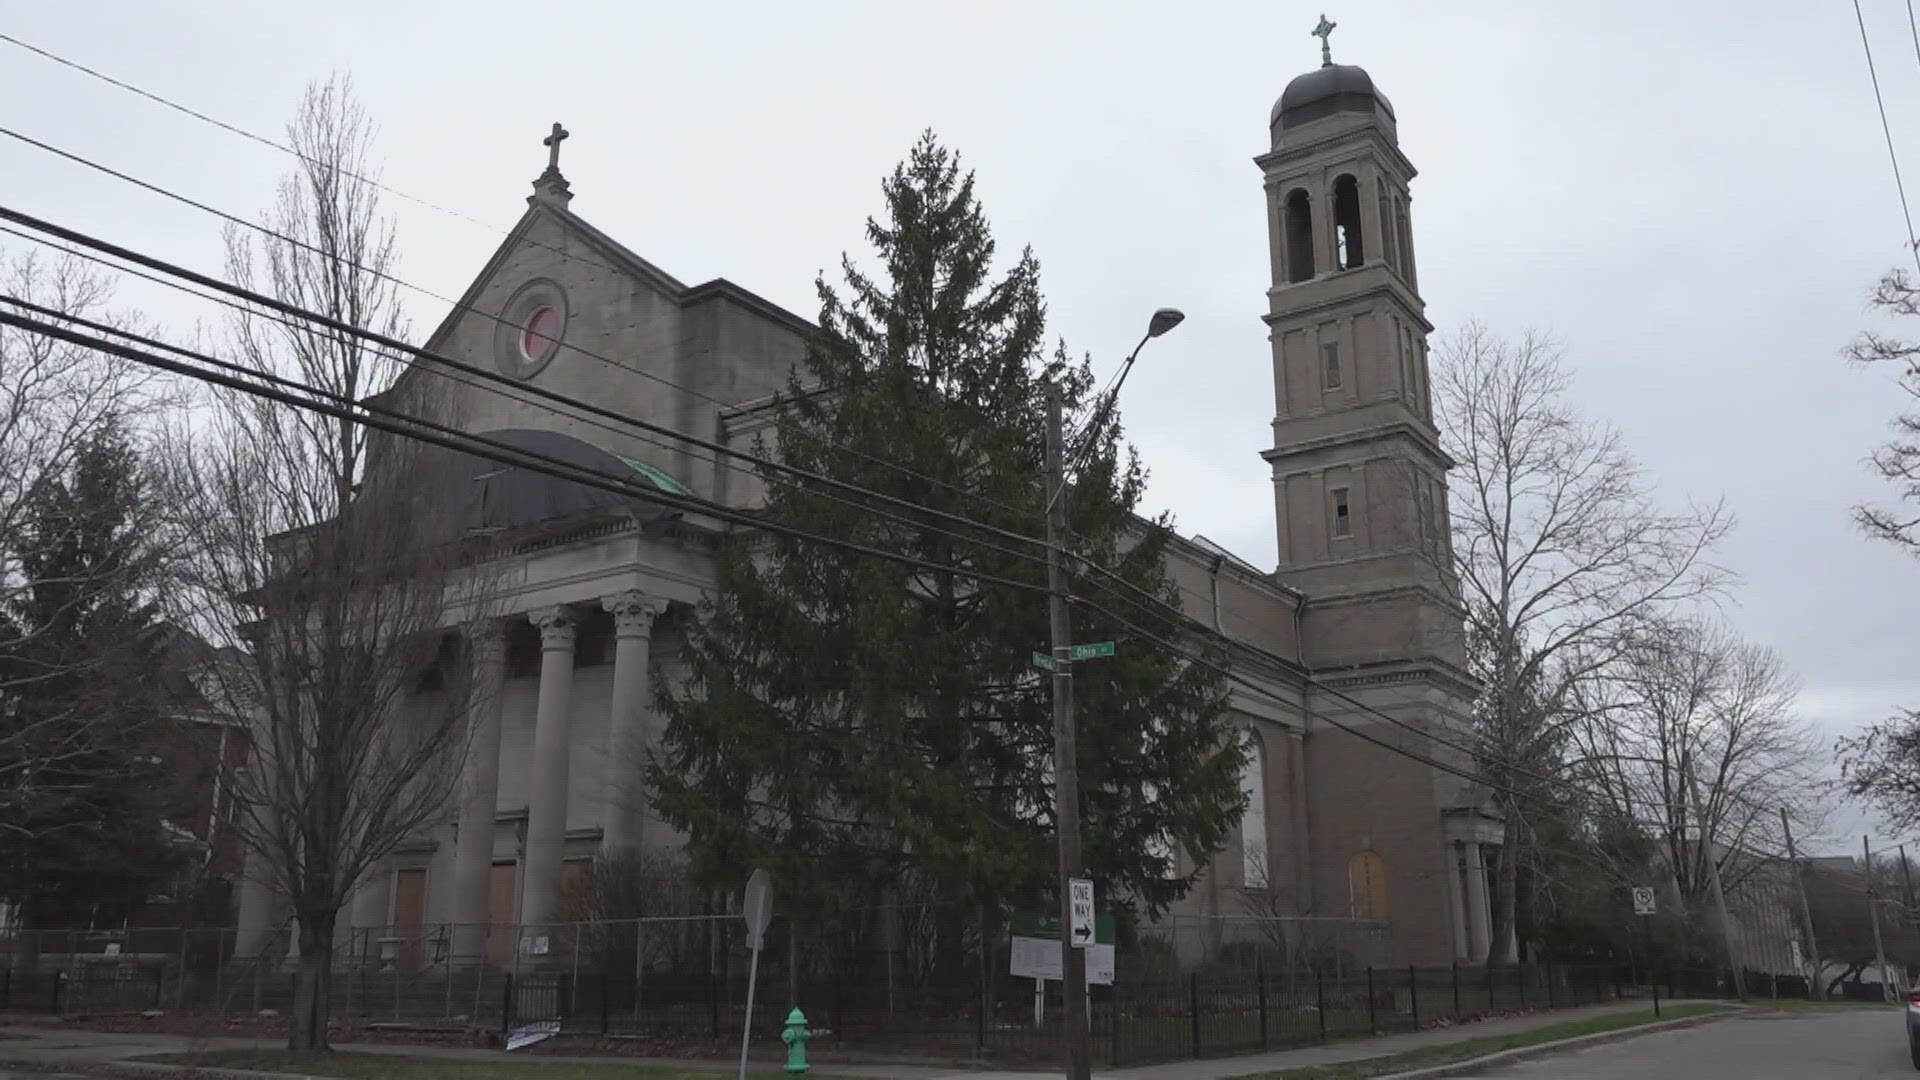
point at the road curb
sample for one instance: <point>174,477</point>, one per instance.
<point>1523,1053</point>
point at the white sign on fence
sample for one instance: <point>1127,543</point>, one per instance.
<point>1039,958</point>
<point>1643,902</point>
<point>528,1034</point>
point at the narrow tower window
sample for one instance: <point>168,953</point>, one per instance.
<point>1346,222</point>
<point>1330,361</point>
<point>1342,515</point>
<point>1299,220</point>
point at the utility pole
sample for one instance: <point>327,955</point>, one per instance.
<point>1906,874</point>
<point>1719,894</point>
<point>1806,911</point>
<point>1066,773</point>
<point>1873,913</point>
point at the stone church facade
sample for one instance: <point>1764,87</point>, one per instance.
<point>1352,638</point>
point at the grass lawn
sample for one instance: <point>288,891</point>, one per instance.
<point>1797,1004</point>
<point>355,1066</point>
<point>1472,1048</point>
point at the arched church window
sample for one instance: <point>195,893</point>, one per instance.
<point>1299,232</point>
<point>1350,252</point>
<point>1253,820</point>
<point>1367,885</point>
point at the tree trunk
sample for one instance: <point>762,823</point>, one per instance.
<point>1502,946</point>
<point>313,982</point>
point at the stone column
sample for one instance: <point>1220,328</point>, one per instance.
<point>1457,901</point>
<point>479,796</point>
<point>624,794</point>
<point>547,776</point>
<point>1479,922</point>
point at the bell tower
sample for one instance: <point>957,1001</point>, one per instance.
<point>1358,474</point>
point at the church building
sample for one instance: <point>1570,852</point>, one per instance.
<point>1353,638</point>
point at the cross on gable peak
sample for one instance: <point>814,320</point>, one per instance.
<point>551,187</point>
<point>552,143</point>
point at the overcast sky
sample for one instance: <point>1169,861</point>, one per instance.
<point>1692,197</point>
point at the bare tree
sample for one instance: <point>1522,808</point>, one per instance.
<point>1898,460</point>
<point>1882,765</point>
<point>1689,707</point>
<point>1557,545</point>
<point>340,565</point>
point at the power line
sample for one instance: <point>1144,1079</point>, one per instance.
<point>274,144</point>
<point>484,387</point>
<point>367,414</point>
<point>274,304</point>
<point>454,305</point>
<point>1913,245</point>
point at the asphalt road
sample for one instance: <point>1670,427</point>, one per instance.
<point>1845,1044</point>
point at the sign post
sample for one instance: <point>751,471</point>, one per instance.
<point>1644,905</point>
<point>758,912</point>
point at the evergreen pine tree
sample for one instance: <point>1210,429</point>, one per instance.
<point>80,695</point>
<point>847,720</point>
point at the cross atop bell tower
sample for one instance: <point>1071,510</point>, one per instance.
<point>1325,32</point>
<point>1358,474</point>
<point>551,187</point>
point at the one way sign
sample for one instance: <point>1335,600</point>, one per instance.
<point>1080,895</point>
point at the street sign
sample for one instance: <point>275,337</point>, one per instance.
<point>758,908</point>
<point>1643,902</point>
<point>1042,660</point>
<point>1080,895</point>
<point>1090,652</point>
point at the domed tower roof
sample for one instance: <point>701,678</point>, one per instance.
<point>1328,91</point>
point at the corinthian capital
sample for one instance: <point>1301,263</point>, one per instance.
<point>556,626</point>
<point>633,612</point>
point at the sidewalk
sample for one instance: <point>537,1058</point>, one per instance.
<point>79,1048</point>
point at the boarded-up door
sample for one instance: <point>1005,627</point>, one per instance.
<point>500,915</point>
<point>409,914</point>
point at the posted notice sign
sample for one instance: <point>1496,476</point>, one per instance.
<point>1036,949</point>
<point>1643,902</point>
<point>1039,958</point>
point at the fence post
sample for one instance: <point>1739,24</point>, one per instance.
<point>1655,979</point>
<point>6,989</point>
<point>1193,1009</point>
<point>180,989</point>
<point>713,999</point>
<point>1320,990</point>
<point>506,1006</point>
<point>1456,989</point>
<point>1413,995</point>
<point>603,1003</point>
<point>1113,1035</point>
<point>1488,969</point>
<point>59,977</point>
<point>1520,981</point>
<point>159,984</point>
<point>1373,1021</point>
<point>1550,1002</point>
<point>1260,991</point>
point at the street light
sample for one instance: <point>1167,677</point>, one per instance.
<point>1066,769</point>
<point>1163,320</point>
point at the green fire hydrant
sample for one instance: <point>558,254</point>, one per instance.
<point>796,1037</point>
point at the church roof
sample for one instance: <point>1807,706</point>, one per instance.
<point>1331,89</point>
<point>497,497</point>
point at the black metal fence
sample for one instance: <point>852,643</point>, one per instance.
<point>945,995</point>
